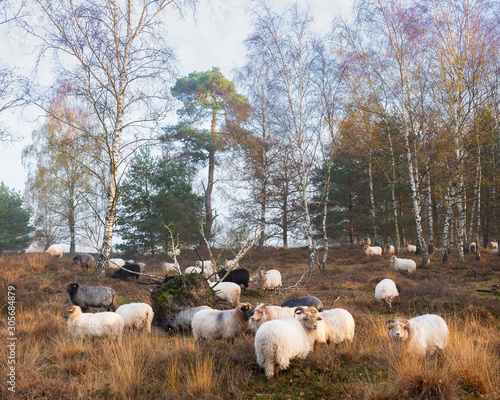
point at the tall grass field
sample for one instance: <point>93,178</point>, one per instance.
<point>49,364</point>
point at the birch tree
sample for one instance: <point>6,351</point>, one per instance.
<point>115,56</point>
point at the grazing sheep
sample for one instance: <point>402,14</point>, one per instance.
<point>422,335</point>
<point>133,272</point>
<point>91,296</point>
<point>182,321</point>
<point>228,291</point>
<point>281,340</point>
<point>54,251</point>
<point>389,249</point>
<point>472,247</point>
<point>175,252</point>
<point>230,264</point>
<point>403,264</point>
<point>170,269</point>
<point>217,324</point>
<point>206,267</point>
<point>137,315</point>
<point>336,325</point>
<point>409,248</point>
<point>192,270</point>
<point>267,312</point>
<point>101,324</point>
<point>386,290</point>
<point>372,251</point>
<point>492,245</point>
<point>240,276</point>
<point>269,279</point>
<point>83,260</point>
<point>304,301</point>
<point>115,263</point>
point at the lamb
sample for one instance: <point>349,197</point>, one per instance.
<point>269,279</point>
<point>92,296</point>
<point>217,324</point>
<point>267,312</point>
<point>403,264</point>
<point>409,248</point>
<point>103,324</point>
<point>281,340</point>
<point>83,260</point>
<point>372,251</point>
<point>54,251</point>
<point>386,290</point>
<point>137,316</point>
<point>182,321</point>
<point>422,335</point>
<point>389,249</point>
<point>123,274</point>
<point>228,291</point>
<point>336,325</point>
<point>170,269</point>
<point>240,276</point>
<point>492,245</point>
<point>304,301</point>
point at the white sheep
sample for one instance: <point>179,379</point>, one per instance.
<point>169,269</point>
<point>217,324</point>
<point>389,249</point>
<point>403,264</point>
<point>367,241</point>
<point>372,251</point>
<point>116,263</point>
<point>192,270</point>
<point>281,340</point>
<point>137,315</point>
<point>175,252</point>
<point>472,247</point>
<point>228,291</point>
<point>230,264</point>
<point>101,324</point>
<point>206,267</point>
<point>492,245</point>
<point>267,312</point>
<point>268,279</point>
<point>336,325</point>
<point>386,290</point>
<point>422,335</point>
<point>409,248</point>
<point>54,251</point>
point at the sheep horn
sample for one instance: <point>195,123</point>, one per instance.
<point>298,310</point>
<point>390,321</point>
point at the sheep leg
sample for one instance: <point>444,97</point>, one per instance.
<point>276,370</point>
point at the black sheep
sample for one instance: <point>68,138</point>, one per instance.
<point>304,301</point>
<point>124,275</point>
<point>240,276</point>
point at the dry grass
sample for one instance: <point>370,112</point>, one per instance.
<point>53,365</point>
<point>36,261</point>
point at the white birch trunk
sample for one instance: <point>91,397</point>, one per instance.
<point>429,211</point>
<point>372,199</point>
<point>447,223</point>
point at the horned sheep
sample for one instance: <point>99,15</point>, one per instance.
<point>389,249</point>
<point>103,324</point>
<point>422,335</point>
<point>226,324</point>
<point>267,312</point>
<point>409,248</point>
<point>137,316</point>
<point>91,296</point>
<point>372,251</point>
<point>386,290</point>
<point>269,279</point>
<point>54,251</point>
<point>281,340</point>
<point>227,290</point>
<point>403,264</point>
<point>336,325</point>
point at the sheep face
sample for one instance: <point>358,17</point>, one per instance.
<point>72,288</point>
<point>259,312</point>
<point>245,310</point>
<point>398,330</point>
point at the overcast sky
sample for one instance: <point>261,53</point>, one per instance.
<point>213,38</point>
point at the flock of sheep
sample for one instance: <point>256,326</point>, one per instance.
<point>282,333</point>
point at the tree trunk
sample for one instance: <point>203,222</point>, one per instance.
<point>392,184</point>
<point>429,211</point>
<point>285,216</point>
<point>447,222</point>
<point>478,198</point>
<point>372,199</point>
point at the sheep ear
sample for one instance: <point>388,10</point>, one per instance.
<point>407,325</point>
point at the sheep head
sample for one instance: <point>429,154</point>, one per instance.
<point>398,329</point>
